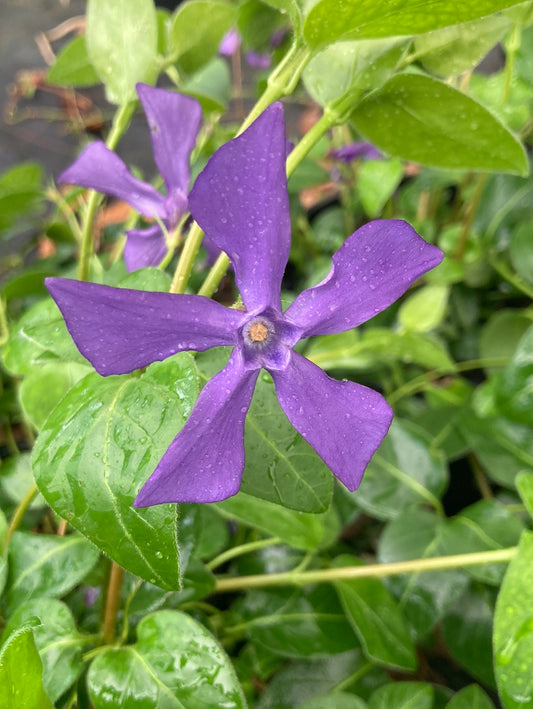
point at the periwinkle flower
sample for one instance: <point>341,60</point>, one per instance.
<point>241,202</point>
<point>354,151</point>
<point>174,121</point>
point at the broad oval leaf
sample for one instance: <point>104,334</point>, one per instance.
<point>472,697</point>
<point>122,45</point>
<point>513,630</point>
<point>19,653</point>
<point>97,449</point>
<point>403,695</point>
<point>421,119</point>
<point>330,21</point>
<point>175,664</point>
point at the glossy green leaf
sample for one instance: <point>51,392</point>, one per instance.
<point>39,336</point>
<point>472,697</point>
<point>514,388</point>
<point>56,639</point>
<point>98,448</point>
<point>281,466</point>
<point>42,565</point>
<point>197,30</point>
<point>513,630</point>
<point>354,351</point>
<point>122,45</point>
<point>421,119</point>
<point>20,190</point>
<point>203,533</point>
<point>403,472</point>
<point>17,692</point>
<point>45,386</point>
<point>16,478</point>
<point>72,66</point>
<point>467,631</point>
<point>328,21</point>
<point>296,623</point>
<point>455,49</point>
<point>297,529</point>
<point>486,525</point>
<point>424,310</point>
<point>425,597</point>
<point>175,663</point>
<point>377,181</point>
<point>403,695</point>
<point>376,618</point>
<point>351,67</point>
<point>335,700</point>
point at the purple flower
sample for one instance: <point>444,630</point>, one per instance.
<point>241,202</point>
<point>353,151</point>
<point>258,60</point>
<point>174,121</point>
<point>230,43</point>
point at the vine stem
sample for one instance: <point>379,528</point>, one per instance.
<point>240,550</point>
<point>121,121</point>
<point>112,603</point>
<point>20,512</point>
<point>345,573</point>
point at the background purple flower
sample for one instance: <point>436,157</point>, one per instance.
<point>241,202</point>
<point>230,43</point>
<point>353,151</point>
<point>174,121</point>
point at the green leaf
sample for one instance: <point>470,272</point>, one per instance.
<point>421,119</point>
<point>297,529</point>
<point>176,663</point>
<point>122,45</point>
<point>72,66</point>
<point>513,630</point>
<point>22,691</point>
<point>211,86</point>
<point>20,190</point>
<point>402,695</point>
<point>56,639</point>
<point>455,49</point>
<point>521,252</point>
<point>295,622</point>
<point>377,181</point>
<point>335,700</point>
<point>502,332</point>
<point>39,336</point>
<point>524,483</point>
<point>328,21</point>
<point>97,449</point>
<point>514,388</point>
<point>403,472</point>
<point>376,618</point>
<point>43,565</point>
<point>424,310</point>
<point>3,556</point>
<point>472,697</point>
<point>16,478</point>
<point>45,386</point>
<point>197,30</point>
<point>486,525</point>
<point>281,466</point>
<point>424,597</point>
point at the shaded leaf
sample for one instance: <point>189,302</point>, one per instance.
<point>20,652</point>
<point>72,66</point>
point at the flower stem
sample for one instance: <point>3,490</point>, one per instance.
<point>112,603</point>
<point>320,128</point>
<point>19,513</point>
<point>121,121</point>
<point>240,550</point>
<point>345,573</point>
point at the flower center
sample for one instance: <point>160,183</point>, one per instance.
<point>258,332</point>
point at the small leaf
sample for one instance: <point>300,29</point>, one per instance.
<point>421,119</point>
<point>521,252</point>
<point>16,692</point>
<point>376,618</point>
<point>100,445</point>
<point>424,310</point>
<point>176,662</point>
<point>377,181</point>
<point>46,565</point>
<point>16,479</point>
<point>20,192</point>
<point>502,332</point>
<point>122,45</point>
<point>402,695</point>
<point>472,697</point>
<point>210,86</point>
<point>513,630</point>
<point>72,66</point>
<point>514,387</point>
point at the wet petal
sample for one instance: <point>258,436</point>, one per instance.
<point>240,200</point>
<point>144,247</point>
<point>371,270</point>
<point>101,169</point>
<point>119,330</point>
<point>343,421</point>
<point>174,122</point>
<point>204,462</point>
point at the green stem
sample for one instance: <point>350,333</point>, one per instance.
<point>120,123</point>
<point>320,128</point>
<point>345,573</point>
<point>19,513</point>
<point>215,275</point>
<point>506,273</point>
<point>471,210</point>
<point>240,550</point>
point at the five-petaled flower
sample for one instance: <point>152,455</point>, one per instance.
<point>174,121</point>
<point>241,201</point>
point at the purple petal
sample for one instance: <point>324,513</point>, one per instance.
<point>119,330</point>
<point>343,421</point>
<point>257,60</point>
<point>230,43</point>
<point>240,200</point>
<point>204,462</point>
<point>371,270</point>
<point>145,247</point>
<point>101,169</point>
<point>361,149</point>
<point>174,122</point>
